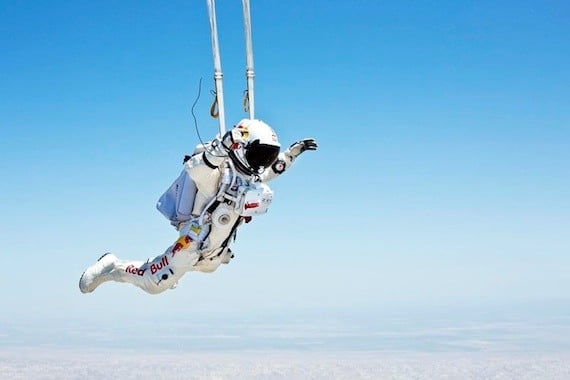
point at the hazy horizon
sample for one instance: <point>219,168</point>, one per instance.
<point>536,327</point>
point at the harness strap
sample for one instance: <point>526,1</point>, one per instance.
<point>210,165</point>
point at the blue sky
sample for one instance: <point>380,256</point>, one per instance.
<point>442,178</point>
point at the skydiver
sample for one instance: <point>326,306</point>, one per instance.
<point>227,180</point>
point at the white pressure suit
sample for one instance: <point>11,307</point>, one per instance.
<point>230,176</point>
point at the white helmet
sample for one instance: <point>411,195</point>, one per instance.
<point>258,146</point>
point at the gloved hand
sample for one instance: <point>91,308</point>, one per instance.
<point>300,146</point>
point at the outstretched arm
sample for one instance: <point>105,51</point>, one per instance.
<point>286,158</point>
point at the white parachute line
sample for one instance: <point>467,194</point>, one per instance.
<point>249,73</point>
<point>218,75</point>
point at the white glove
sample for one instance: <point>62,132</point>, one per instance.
<point>300,146</point>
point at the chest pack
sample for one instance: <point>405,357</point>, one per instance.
<point>252,198</point>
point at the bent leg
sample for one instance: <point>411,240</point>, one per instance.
<point>153,276</point>
<point>156,276</point>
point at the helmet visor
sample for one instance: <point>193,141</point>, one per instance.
<point>261,155</point>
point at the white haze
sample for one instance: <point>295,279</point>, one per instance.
<point>46,363</point>
<point>317,345</point>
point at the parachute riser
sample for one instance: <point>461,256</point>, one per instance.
<point>218,75</point>
<point>249,72</point>
<point>249,100</point>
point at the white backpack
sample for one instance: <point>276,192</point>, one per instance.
<point>177,202</point>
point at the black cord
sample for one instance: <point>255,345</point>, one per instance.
<point>194,115</point>
<point>206,147</point>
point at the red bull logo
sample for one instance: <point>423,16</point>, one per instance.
<point>182,243</point>
<point>162,264</point>
<point>135,270</point>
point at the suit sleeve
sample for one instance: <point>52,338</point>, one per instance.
<point>283,162</point>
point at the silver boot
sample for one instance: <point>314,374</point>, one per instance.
<point>97,273</point>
